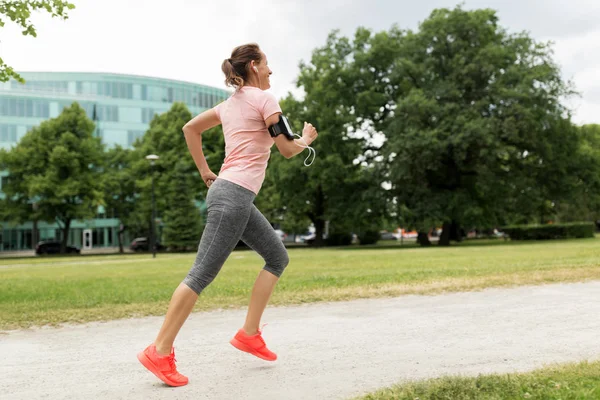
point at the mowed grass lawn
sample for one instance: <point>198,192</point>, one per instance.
<point>43,291</point>
<point>559,382</point>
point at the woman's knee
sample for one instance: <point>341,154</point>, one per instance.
<point>193,283</point>
<point>277,265</point>
<point>200,276</point>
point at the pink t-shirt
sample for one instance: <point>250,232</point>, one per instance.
<point>247,140</point>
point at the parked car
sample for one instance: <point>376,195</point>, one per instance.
<point>385,235</point>
<point>282,235</point>
<point>311,237</point>
<point>308,238</point>
<point>143,244</point>
<point>53,247</point>
<point>301,238</point>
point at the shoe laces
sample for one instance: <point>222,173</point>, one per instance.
<point>260,335</point>
<point>262,341</point>
<point>172,361</point>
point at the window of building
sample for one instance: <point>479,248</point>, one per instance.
<point>104,89</point>
<point>20,107</point>
<point>157,93</point>
<point>41,86</point>
<point>14,85</point>
<point>107,113</point>
<point>87,87</point>
<point>122,90</point>
<point>9,239</point>
<point>179,94</point>
<point>8,133</point>
<point>133,135</point>
<point>130,114</point>
<point>13,107</point>
<point>147,115</point>
<point>26,239</point>
<point>41,109</point>
<point>103,112</point>
<point>119,90</point>
<point>112,113</point>
<point>98,237</point>
<point>28,107</point>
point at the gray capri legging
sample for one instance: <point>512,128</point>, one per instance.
<point>233,216</point>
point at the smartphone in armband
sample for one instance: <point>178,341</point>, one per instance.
<point>282,127</point>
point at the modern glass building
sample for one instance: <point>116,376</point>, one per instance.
<point>122,105</point>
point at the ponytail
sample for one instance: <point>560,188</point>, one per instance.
<point>237,66</point>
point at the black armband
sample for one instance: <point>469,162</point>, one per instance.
<point>281,127</point>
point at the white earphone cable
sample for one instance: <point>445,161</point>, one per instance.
<point>258,76</point>
<point>311,151</point>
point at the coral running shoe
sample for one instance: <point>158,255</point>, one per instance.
<point>162,366</point>
<point>253,344</point>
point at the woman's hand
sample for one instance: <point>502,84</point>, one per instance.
<point>208,177</point>
<point>309,133</point>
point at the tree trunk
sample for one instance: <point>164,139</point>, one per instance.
<point>450,232</point>
<point>319,220</point>
<point>423,239</point>
<point>150,238</point>
<point>65,239</point>
<point>120,236</point>
<point>455,232</point>
<point>34,234</point>
<point>319,230</point>
<point>445,236</point>
<point>542,218</point>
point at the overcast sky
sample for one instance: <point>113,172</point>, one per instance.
<point>188,39</point>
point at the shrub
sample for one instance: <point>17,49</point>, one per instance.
<point>368,237</point>
<point>339,239</point>
<point>549,232</point>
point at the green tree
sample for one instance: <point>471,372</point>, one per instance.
<point>589,181</point>
<point>19,12</point>
<point>478,125</point>
<point>57,166</point>
<point>119,186</point>
<point>183,226</point>
<point>584,194</point>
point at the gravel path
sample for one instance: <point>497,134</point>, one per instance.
<point>326,351</point>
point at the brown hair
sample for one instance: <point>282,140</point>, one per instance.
<point>237,66</point>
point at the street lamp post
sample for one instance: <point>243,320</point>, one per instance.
<point>152,158</point>
<point>34,234</point>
